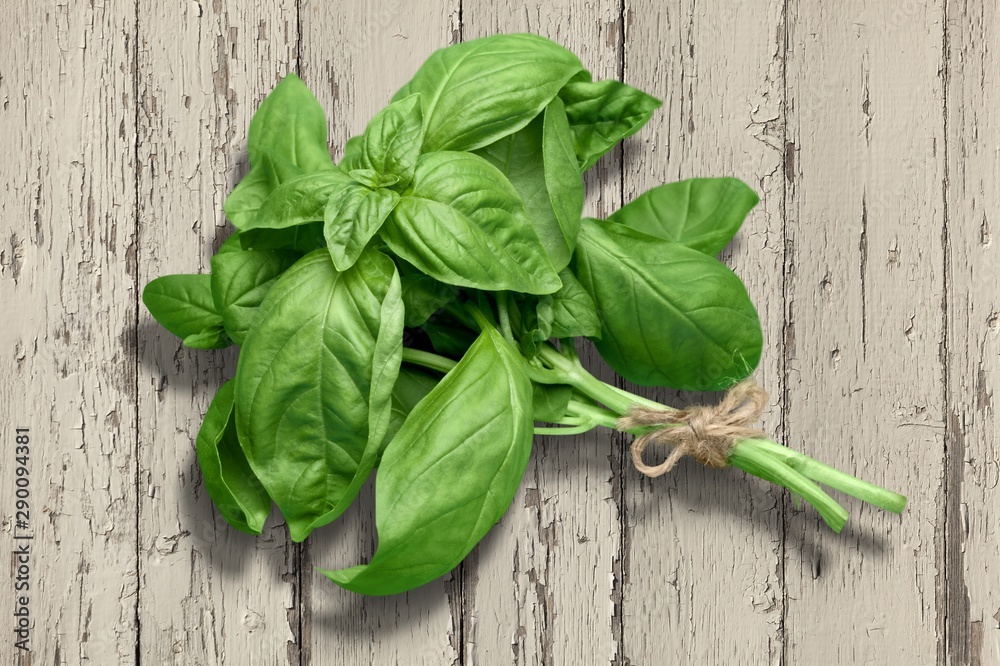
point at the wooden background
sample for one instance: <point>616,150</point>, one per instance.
<point>870,130</point>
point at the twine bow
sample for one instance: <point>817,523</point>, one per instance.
<point>706,433</point>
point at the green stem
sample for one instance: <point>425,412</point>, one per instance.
<point>762,458</point>
<point>503,309</point>
<point>829,476</point>
<point>428,360</point>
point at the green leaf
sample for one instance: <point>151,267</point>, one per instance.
<point>533,319</point>
<point>240,281</point>
<point>411,387</point>
<point>302,238</point>
<point>290,126</point>
<point>314,384</point>
<point>540,163</point>
<point>392,142</point>
<point>671,316</point>
<point>701,213</point>
<point>247,197</point>
<point>603,113</point>
<point>423,296</point>
<point>183,305</point>
<point>448,335</point>
<point>574,313</point>
<point>549,401</point>
<point>353,151</point>
<point>463,223</point>
<point>450,472</point>
<point>353,216</point>
<point>214,337</point>
<point>299,201</point>
<point>231,244</point>
<point>476,92</point>
<point>236,492</point>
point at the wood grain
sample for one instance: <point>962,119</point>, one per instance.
<point>864,221</point>
<point>870,131</point>
<point>551,567</point>
<point>972,545</point>
<point>67,282</point>
<point>355,58</point>
<point>209,594</point>
<point>705,545</point>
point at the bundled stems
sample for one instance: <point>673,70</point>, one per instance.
<point>596,403</point>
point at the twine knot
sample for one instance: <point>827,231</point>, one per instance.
<point>706,433</point>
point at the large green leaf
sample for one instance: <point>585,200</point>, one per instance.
<point>540,163</point>
<point>463,223</point>
<point>702,213</point>
<point>671,316</point>
<point>476,92</point>
<point>183,305</point>
<point>236,492</point>
<point>314,384</point>
<point>240,281</point>
<point>450,472</point>
<point>602,113</point>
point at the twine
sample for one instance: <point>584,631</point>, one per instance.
<point>706,433</point>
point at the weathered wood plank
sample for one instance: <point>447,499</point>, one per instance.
<point>541,587</point>
<point>210,594</point>
<point>973,341</point>
<point>865,323</point>
<point>704,546</point>
<point>355,57</point>
<point>67,282</point>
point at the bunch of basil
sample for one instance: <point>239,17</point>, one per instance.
<point>400,309</point>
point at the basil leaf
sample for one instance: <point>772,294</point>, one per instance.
<point>302,238</point>
<point>463,223</point>
<point>423,296</point>
<point>214,337</point>
<point>671,316</point>
<point>290,126</point>
<point>231,244</point>
<point>603,113</point>
<point>448,335</point>
<point>450,472</point>
<point>411,387</point>
<point>298,201</point>
<point>240,280</point>
<point>314,381</point>
<point>243,203</point>
<point>353,151</point>
<point>476,92</point>
<point>701,213</point>
<point>183,305</point>
<point>540,163</point>
<point>533,318</point>
<point>353,216</point>
<point>549,401</point>
<point>574,313</point>
<point>235,491</point>
<point>392,142</point>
